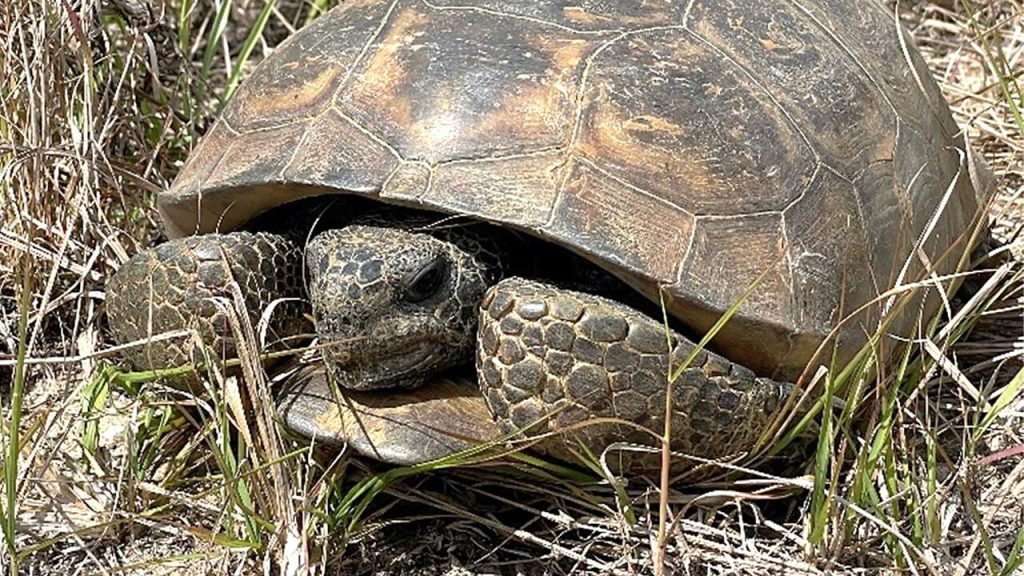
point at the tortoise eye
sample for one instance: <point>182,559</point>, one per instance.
<point>424,282</point>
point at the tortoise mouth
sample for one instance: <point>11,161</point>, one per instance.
<point>406,363</point>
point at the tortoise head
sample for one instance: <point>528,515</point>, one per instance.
<point>394,307</point>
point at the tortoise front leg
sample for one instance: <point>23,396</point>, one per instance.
<point>552,358</point>
<point>175,286</point>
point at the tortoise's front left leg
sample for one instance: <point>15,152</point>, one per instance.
<point>557,357</point>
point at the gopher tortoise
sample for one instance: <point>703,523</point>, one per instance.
<point>513,191</point>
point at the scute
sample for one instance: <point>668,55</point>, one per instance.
<point>826,240</point>
<point>665,113</point>
<point>869,34</point>
<point>358,162</point>
<point>692,148</point>
<point>442,85</point>
<point>726,257</point>
<point>520,190</point>
<point>640,232</point>
<point>839,111</point>
<point>301,77</point>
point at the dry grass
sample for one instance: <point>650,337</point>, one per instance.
<point>97,111</point>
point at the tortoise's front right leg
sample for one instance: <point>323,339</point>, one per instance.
<point>557,357</point>
<point>175,286</point>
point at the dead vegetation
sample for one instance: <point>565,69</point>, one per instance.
<point>101,102</point>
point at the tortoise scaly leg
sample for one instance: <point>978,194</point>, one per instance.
<point>173,286</point>
<point>556,357</point>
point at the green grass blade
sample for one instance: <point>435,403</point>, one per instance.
<point>820,503</point>
<point>185,25</point>
<point>94,398</point>
<point>1009,393</point>
<point>1014,560</point>
<point>10,470</point>
<point>213,40</point>
<point>255,33</point>
<point>317,8</point>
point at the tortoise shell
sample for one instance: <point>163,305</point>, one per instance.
<point>691,148</point>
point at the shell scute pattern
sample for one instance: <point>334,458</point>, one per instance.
<point>792,58</point>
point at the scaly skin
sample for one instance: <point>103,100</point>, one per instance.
<point>174,286</point>
<point>395,307</point>
<point>549,358</point>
